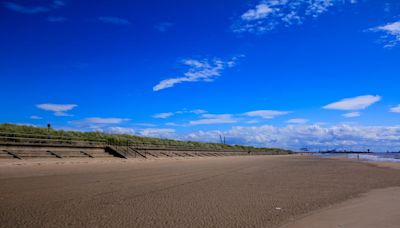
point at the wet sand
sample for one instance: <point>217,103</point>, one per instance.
<point>259,191</point>
<point>378,208</point>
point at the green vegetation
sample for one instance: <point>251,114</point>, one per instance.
<point>12,130</point>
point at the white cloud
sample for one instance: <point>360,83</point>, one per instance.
<point>270,14</point>
<point>214,119</point>
<point>208,119</point>
<point>344,136</point>
<point>62,114</point>
<point>195,111</point>
<point>36,117</point>
<point>157,132</point>
<point>199,70</point>
<point>395,109</point>
<point>121,130</point>
<point>104,126</point>
<point>355,103</point>
<point>198,111</point>
<point>266,114</point>
<point>351,114</point>
<point>318,7</point>
<point>261,11</point>
<point>297,121</point>
<point>114,20</point>
<point>33,9</point>
<point>163,26</point>
<point>58,109</point>
<point>99,120</point>
<point>392,33</point>
<point>101,124</point>
<point>163,115</point>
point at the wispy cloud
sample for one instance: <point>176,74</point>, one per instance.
<point>297,121</point>
<point>261,11</point>
<point>355,103</point>
<point>114,20</point>
<point>146,132</point>
<point>214,119</point>
<point>395,109</point>
<point>270,14</point>
<point>164,26</point>
<point>99,120</point>
<point>199,70</point>
<point>163,115</point>
<point>121,130</point>
<point>391,33</point>
<point>197,111</point>
<point>157,132</point>
<point>209,119</point>
<point>58,109</point>
<point>33,9</point>
<point>36,117</point>
<point>266,114</point>
<point>101,124</point>
<point>351,114</point>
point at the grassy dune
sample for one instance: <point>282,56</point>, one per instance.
<point>37,132</point>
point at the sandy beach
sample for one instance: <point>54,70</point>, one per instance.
<point>259,191</point>
<point>378,208</point>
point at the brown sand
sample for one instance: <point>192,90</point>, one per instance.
<point>259,191</point>
<point>378,208</point>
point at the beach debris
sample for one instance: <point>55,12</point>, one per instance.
<point>278,208</point>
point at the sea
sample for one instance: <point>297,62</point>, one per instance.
<point>377,157</point>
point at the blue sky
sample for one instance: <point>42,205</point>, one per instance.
<point>282,73</point>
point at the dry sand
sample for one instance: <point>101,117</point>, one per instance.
<point>259,191</point>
